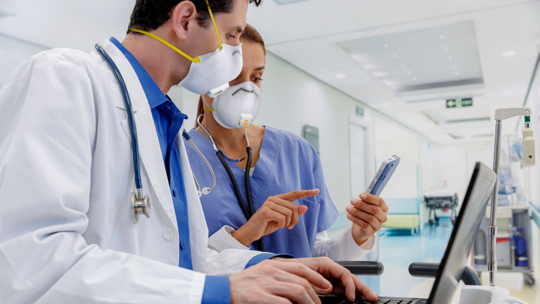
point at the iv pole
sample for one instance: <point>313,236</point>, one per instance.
<point>492,294</point>
<point>500,115</point>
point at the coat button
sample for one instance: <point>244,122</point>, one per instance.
<point>168,234</point>
<point>182,246</point>
<point>174,193</point>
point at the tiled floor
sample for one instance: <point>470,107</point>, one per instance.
<point>396,252</point>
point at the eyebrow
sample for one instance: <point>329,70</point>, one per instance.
<point>260,68</point>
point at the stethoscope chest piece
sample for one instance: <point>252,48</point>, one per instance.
<point>139,206</point>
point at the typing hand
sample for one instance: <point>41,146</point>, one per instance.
<point>343,281</point>
<point>367,214</point>
<point>277,212</point>
<point>274,281</point>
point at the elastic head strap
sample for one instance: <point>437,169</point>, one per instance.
<point>194,60</point>
<point>214,22</point>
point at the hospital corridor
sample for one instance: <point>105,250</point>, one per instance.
<point>270,151</point>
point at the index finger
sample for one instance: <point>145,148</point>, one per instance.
<point>374,200</point>
<point>365,290</point>
<point>292,196</point>
<point>351,283</point>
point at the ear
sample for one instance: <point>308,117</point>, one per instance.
<point>184,17</point>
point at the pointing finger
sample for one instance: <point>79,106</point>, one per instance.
<point>292,196</point>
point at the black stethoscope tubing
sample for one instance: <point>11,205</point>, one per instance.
<point>247,213</point>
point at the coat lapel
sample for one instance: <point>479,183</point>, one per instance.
<point>149,149</point>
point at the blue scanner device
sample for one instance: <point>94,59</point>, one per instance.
<point>383,175</point>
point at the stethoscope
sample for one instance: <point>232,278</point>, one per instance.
<point>248,213</point>
<point>139,203</point>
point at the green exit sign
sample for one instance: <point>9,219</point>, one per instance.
<point>459,102</point>
<point>359,111</point>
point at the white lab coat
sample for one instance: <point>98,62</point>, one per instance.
<point>66,178</point>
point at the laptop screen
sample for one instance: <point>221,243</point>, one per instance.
<point>461,241</point>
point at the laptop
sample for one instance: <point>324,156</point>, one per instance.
<point>459,247</point>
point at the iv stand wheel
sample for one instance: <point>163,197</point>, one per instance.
<point>529,279</point>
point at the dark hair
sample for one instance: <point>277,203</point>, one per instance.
<point>249,35</point>
<point>148,15</point>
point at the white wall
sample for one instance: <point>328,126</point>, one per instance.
<point>392,138</point>
<point>454,164</point>
<point>292,98</point>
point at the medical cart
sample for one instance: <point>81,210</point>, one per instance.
<point>513,222</point>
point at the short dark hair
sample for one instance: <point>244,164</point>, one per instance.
<point>148,15</point>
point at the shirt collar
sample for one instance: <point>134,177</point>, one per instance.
<point>151,90</point>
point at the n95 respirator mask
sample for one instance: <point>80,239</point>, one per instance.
<point>237,106</point>
<point>213,72</point>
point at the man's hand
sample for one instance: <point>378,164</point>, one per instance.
<point>343,281</point>
<point>277,212</point>
<point>367,214</point>
<point>274,281</point>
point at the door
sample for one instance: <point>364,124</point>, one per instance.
<point>358,159</point>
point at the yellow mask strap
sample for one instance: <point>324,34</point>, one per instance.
<point>195,60</point>
<point>214,22</point>
<point>211,109</point>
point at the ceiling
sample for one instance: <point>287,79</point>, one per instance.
<point>493,45</point>
<point>429,58</point>
<point>350,44</point>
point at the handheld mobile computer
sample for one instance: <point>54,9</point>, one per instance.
<point>384,173</point>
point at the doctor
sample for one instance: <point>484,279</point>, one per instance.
<point>67,233</point>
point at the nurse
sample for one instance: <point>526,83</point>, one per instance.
<point>282,162</point>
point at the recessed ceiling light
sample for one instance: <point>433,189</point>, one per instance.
<point>509,53</point>
<point>446,48</point>
<point>414,78</point>
<point>409,72</point>
<point>453,66</point>
<point>449,58</point>
<point>341,75</point>
<point>402,64</point>
<point>386,45</point>
<point>395,55</point>
<point>442,37</point>
<point>386,104</point>
<point>506,92</point>
<point>456,73</point>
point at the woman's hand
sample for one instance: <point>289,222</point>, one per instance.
<point>277,212</point>
<point>367,214</point>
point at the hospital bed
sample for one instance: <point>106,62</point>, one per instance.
<point>441,199</point>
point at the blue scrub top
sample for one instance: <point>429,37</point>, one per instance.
<point>286,163</point>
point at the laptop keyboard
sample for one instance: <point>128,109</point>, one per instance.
<point>382,300</point>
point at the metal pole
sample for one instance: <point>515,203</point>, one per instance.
<point>492,231</point>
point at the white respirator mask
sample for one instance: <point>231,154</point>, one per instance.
<point>209,73</point>
<point>237,106</point>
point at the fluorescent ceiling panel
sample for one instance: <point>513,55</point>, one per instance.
<point>431,58</point>
<point>287,1</point>
<point>470,136</point>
